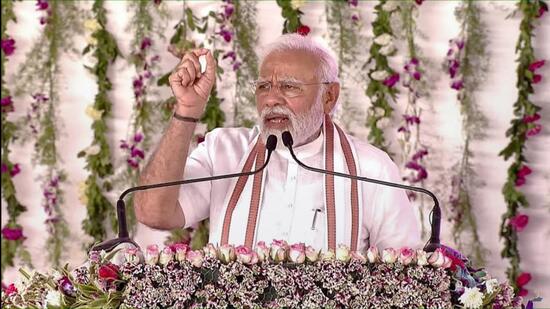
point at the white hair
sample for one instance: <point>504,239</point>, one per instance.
<point>293,41</point>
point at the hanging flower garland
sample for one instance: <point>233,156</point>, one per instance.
<point>413,151</point>
<point>466,64</point>
<point>343,31</point>
<point>98,155</point>
<point>242,15</point>
<point>38,76</point>
<point>12,232</point>
<point>382,78</point>
<point>290,10</point>
<point>146,113</point>
<point>523,127</point>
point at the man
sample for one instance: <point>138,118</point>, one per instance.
<point>297,91</point>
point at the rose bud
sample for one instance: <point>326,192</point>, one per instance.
<point>342,253</point>
<point>181,251</point>
<point>262,251</point>
<point>152,255</point>
<point>227,253</point>
<point>328,255</point>
<point>312,255</point>
<point>94,256</point>
<point>421,257</point>
<point>389,256</point>
<point>278,250</point>
<point>133,255</point>
<point>297,253</point>
<point>166,255</point>
<point>406,255</point>
<point>358,256</point>
<point>195,257</point>
<point>244,254</point>
<point>66,286</point>
<point>210,251</point>
<point>372,255</point>
<point>108,272</point>
<point>437,258</point>
<point>447,262</point>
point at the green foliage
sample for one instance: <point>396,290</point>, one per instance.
<point>517,133</point>
<point>379,94</point>
<point>291,16</point>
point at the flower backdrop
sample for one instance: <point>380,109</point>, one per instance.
<point>456,92</point>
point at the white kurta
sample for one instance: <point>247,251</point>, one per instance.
<point>291,194</point>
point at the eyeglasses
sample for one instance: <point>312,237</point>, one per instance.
<point>289,89</point>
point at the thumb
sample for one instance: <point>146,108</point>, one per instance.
<point>210,64</point>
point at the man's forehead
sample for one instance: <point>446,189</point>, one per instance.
<point>290,64</point>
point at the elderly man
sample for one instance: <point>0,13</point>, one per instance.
<point>297,92</point>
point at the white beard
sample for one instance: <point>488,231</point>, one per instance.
<point>302,126</point>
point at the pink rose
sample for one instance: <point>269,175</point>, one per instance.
<point>210,251</point>
<point>536,65</point>
<point>372,255</point>
<point>11,289</point>
<point>108,272</point>
<point>181,251</point>
<point>195,257</point>
<point>406,255</point>
<point>312,255</point>
<point>358,256</point>
<point>437,258</point>
<point>244,254</point>
<point>523,279</point>
<point>166,255</point>
<point>389,255</point>
<point>227,253</point>
<point>133,255</point>
<point>297,253</point>
<point>279,250</point>
<point>262,251</point>
<point>152,255</point>
<point>342,253</point>
<point>303,30</point>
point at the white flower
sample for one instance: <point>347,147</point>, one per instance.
<point>92,150</point>
<point>91,40</point>
<point>383,123</point>
<point>91,25</point>
<point>421,257</point>
<point>388,49</point>
<point>472,298</point>
<point>390,6</point>
<point>379,75</point>
<point>296,4</point>
<point>342,253</point>
<point>93,113</point>
<point>491,285</point>
<point>383,39</point>
<point>378,112</point>
<point>53,299</point>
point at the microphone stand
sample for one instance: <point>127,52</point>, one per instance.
<point>432,244</point>
<point>123,236</point>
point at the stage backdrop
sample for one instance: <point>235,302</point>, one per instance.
<point>434,83</point>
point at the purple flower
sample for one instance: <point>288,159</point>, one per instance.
<point>136,152</point>
<point>40,98</point>
<point>42,5</point>
<point>228,11</point>
<point>536,65</point>
<point>402,129</point>
<point>230,54</point>
<point>390,81</point>
<point>155,58</point>
<point>421,171</point>
<point>226,34</point>
<point>457,84</point>
<point>353,2</point>
<point>4,168</point>
<point>12,234</point>
<point>123,144</point>
<point>419,154</point>
<point>411,119</point>
<point>8,46</point>
<point>146,43</point>
<point>537,78</point>
<point>416,75</point>
<point>43,20</point>
<point>236,65</point>
<point>535,130</point>
<point>157,2</point>
<point>138,137</point>
<point>132,163</point>
<point>15,170</point>
<point>66,286</point>
<point>459,44</point>
<point>7,104</point>
<point>531,118</point>
<point>453,67</point>
<point>355,18</point>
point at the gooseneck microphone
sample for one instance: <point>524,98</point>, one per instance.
<point>123,236</point>
<point>432,244</point>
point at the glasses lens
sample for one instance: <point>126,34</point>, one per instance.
<point>290,89</point>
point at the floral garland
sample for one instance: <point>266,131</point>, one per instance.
<point>276,276</point>
<point>244,59</point>
<point>39,74</point>
<point>12,233</point>
<point>146,114</point>
<point>413,151</point>
<point>523,127</point>
<point>343,27</point>
<point>466,64</point>
<point>290,10</point>
<point>382,78</point>
<point>98,154</point>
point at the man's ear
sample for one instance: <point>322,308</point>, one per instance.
<point>330,96</point>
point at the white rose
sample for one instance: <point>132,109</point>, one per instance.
<point>383,123</point>
<point>53,299</point>
<point>92,150</point>
<point>379,75</point>
<point>342,253</point>
<point>491,285</point>
<point>471,298</point>
<point>383,39</point>
<point>390,6</point>
<point>388,49</point>
<point>92,25</point>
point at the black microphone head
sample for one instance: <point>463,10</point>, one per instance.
<point>271,142</point>
<point>287,139</point>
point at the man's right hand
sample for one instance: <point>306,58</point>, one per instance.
<point>191,87</point>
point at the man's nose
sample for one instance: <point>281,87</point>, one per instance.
<point>274,97</point>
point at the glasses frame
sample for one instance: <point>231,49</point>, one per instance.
<point>254,86</point>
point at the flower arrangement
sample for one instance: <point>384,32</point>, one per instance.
<point>280,275</point>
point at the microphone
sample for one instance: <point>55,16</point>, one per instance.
<point>123,236</point>
<point>432,244</point>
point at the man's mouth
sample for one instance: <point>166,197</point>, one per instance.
<point>276,119</point>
